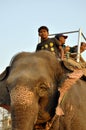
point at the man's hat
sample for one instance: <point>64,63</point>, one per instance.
<point>60,35</point>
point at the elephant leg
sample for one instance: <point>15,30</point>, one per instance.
<point>24,108</point>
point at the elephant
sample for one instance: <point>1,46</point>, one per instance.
<point>30,90</point>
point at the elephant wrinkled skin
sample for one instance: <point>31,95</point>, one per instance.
<point>30,92</point>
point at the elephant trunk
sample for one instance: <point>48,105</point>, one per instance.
<point>24,108</point>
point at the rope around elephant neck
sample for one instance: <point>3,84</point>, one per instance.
<point>72,78</point>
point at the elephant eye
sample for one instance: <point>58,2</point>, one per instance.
<point>43,86</point>
<point>43,89</point>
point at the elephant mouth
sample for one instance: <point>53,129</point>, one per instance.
<point>7,107</point>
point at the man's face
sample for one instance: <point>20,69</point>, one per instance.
<point>62,40</point>
<point>83,47</point>
<point>43,34</point>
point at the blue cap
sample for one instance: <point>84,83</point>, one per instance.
<point>60,35</point>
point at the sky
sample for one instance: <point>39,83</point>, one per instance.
<point>20,20</point>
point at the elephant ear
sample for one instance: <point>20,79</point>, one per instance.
<point>5,73</point>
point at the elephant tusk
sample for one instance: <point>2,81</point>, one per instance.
<point>59,111</point>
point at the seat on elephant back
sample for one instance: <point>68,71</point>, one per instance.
<point>72,65</point>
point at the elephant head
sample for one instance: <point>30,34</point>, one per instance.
<point>31,88</point>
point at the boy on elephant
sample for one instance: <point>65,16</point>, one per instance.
<point>61,39</point>
<point>50,44</point>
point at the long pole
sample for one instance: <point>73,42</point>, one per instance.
<point>79,44</point>
<point>64,33</point>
